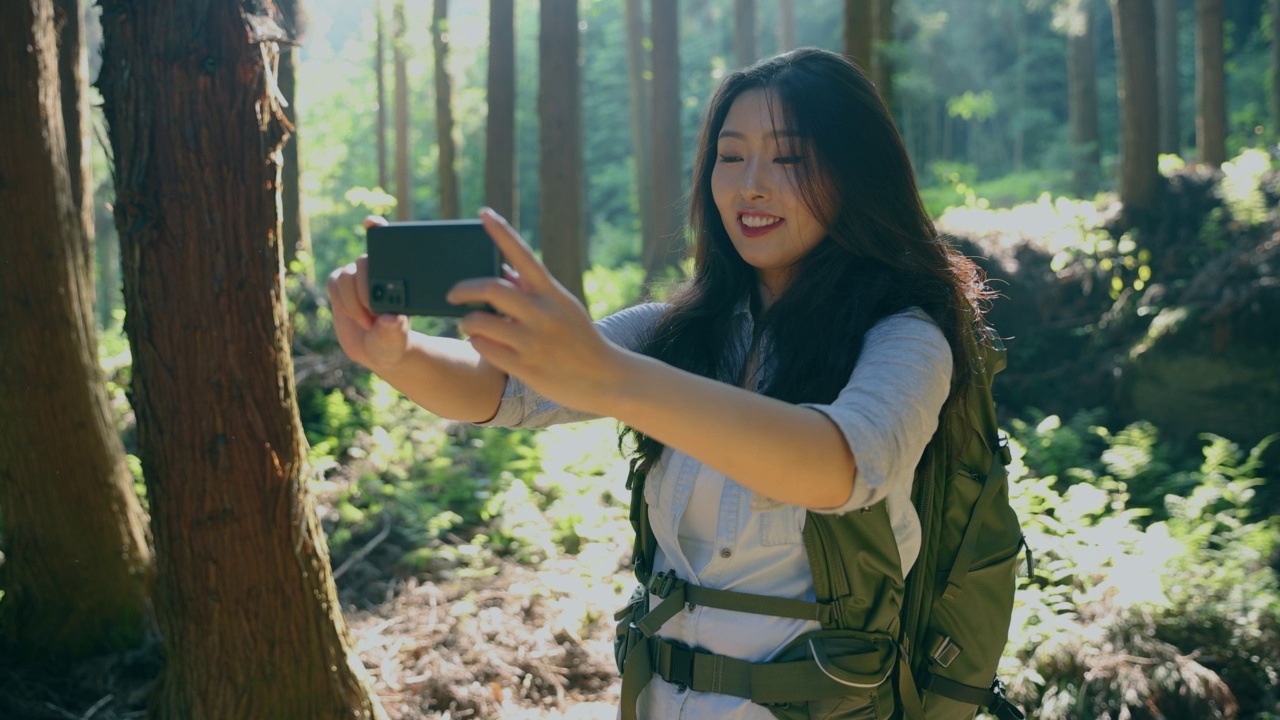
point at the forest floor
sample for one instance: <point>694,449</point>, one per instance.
<point>502,640</point>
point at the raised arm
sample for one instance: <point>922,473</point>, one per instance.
<point>447,377</point>
<point>791,453</point>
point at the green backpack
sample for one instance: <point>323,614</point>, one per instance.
<point>923,647</point>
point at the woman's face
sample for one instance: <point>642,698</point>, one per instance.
<point>754,184</point>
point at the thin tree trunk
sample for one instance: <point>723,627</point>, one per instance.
<point>450,205</point>
<point>379,66</point>
<point>245,598</point>
<point>1082,105</point>
<point>77,570</point>
<point>560,175</point>
<point>73,73</point>
<point>1167,61</point>
<point>404,191</point>
<point>1019,89</point>
<point>744,32</point>
<point>786,25</point>
<point>1134,22</point>
<point>883,76</point>
<point>1275,69</point>
<point>1211,84</point>
<point>500,178</point>
<point>641,91</point>
<point>859,33</point>
<point>668,171</point>
<point>296,232</point>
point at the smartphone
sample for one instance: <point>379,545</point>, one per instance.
<point>412,265</point>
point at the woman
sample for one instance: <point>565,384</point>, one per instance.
<point>802,369</point>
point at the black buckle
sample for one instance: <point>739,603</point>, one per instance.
<point>680,666</point>
<point>664,583</point>
<point>1000,706</point>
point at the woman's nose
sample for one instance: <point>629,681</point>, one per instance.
<point>755,181</point>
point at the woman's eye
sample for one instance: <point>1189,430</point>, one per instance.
<point>729,158</point>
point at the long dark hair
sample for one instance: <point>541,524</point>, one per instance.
<point>880,256</point>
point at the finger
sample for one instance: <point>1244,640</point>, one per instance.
<point>510,275</point>
<point>374,221</point>
<point>500,294</point>
<point>498,355</point>
<point>362,282</point>
<point>494,328</point>
<point>517,252</point>
<point>356,307</point>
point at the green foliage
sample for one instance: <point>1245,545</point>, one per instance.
<point>1200,579</point>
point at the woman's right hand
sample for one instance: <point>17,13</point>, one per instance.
<point>378,342</point>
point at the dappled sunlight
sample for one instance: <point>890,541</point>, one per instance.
<point>1056,225</point>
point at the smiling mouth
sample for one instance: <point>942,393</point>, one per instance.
<point>757,225</point>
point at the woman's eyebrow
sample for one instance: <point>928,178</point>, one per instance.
<point>776,134</point>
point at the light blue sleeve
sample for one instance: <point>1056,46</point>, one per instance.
<point>522,407</point>
<point>889,410</point>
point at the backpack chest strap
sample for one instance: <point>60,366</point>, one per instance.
<point>676,593</point>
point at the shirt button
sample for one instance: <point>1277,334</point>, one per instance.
<point>726,553</point>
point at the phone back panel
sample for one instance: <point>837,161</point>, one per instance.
<point>413,264</point>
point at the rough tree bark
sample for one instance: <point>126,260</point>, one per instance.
<point>500,178</point>
<point>450,204</point>
<point>296,230</point>
<point>77,569</point>
<point>244,593</point>
<point>1134,22</point>
<point>560,173</point>
<point>668,172</point>
<point>1211,84</point>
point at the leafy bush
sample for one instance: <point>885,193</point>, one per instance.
<point>1126,609</point>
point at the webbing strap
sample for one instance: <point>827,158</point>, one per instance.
<point>637,671</point>
<point>992,699</point>
<point>675,593</point>
<point>767,683</point>
<point>908,695</point>
<point>964,556</point>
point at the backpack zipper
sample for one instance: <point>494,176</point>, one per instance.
<point>835,567</point>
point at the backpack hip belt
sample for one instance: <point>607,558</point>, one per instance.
<point>814,676</point>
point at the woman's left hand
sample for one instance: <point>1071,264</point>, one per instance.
<point>543,336</point>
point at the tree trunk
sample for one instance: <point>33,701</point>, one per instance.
<point>296,232</point>
<point>244,593</point>
<point>78,569</point>
<point>404,193</point>
<point>1275,69</point>
<point>1082,107</point>
<point>786,25</point>
<point>500,177</point>
<point>1211,84</point>
<point>859,33</point>
<point>1139,173</point>
<point>379,66</point>
<point>744,32</point>
<point>1167,61</point>
<point>641,91</point>
<point>450,205</point>
<point>560,174</point>
<point>668,172</point>
<point>883,66</point>
<point>1019,89</point>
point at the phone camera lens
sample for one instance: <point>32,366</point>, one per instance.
<point>379,292</point>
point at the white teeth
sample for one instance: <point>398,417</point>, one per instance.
<point>756,221</point>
